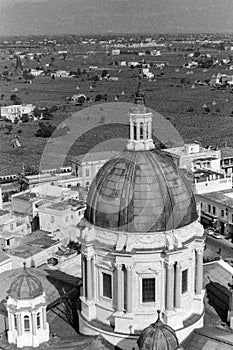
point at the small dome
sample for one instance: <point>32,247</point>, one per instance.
<point>140,191</point>
<point>158,336</point>
<point>25,286</point>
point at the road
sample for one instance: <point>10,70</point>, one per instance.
<point>213,245</point>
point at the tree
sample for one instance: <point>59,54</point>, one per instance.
<point>8,128</point>
<point>45,130</point>
<point>104,73</point>
<point>25,118</point>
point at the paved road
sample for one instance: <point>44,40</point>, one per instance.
<point>213,245</point>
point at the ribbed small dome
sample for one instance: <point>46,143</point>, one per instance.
<point>158,336</point>
<point>25,286</point>
<point>140,191</point>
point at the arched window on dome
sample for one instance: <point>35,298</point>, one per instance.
<point>26,322</point>
<point>38,323</point>
<point>135,131</point>
<point>15,321</point>
<point>141,131</point>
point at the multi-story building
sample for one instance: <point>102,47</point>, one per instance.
<point>86,166</point>
<point>227,160</point>
<point>192,156</point>
<point>16,111</point>
<point>62,216</point>
<point>217,210</point>
<point>29,202</point>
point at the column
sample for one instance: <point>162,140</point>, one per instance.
<point>129,270</point>
<point>11,321</point>
<point>34,326</point>
<point>170,287</point>
<point>178,285</point>
<point>131,131</point>
<point>145,131</point>
<point>19,324</point>
<point>199,270</point>
<point>44,318</point>
<point>149,130</point>
<point>89,279</point>
<point>84,275</point>
<point>119,283</point>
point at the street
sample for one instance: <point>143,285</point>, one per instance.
<point>213,245</point>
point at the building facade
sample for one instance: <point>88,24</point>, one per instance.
<point>16,111</point>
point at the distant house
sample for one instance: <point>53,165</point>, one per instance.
<point>16,111</point>
<point>61,74</point>
<point>222,79</point>
<point>36,72</point>
<point>116,52</point>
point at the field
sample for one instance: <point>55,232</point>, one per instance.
<point>166,96</point>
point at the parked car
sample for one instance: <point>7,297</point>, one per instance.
<point>217,235</point>
<point>210,232</point>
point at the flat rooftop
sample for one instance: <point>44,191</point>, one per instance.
<point>33,244</point>
<point>94,156</point>
<point>224,197</point>
<point>76,204</point>
<point>3,212</point>
<point>226,152</point>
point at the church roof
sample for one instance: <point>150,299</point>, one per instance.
<point>140,191</point>
<point>25,286</point>
<point>158,336</point>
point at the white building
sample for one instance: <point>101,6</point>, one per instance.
<point>36,72</point>
<point>192,156</point>
<point>61,74</point>
<point>142,248</point>
<point>26,308</point>
<point>62,216</point>
<point>86,166</point>
<point>16,111</point>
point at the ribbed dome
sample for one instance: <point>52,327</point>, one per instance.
<point>25,286</point>
<point>158,336</point>
<point>140,191</point>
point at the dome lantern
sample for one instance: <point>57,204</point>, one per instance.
<point>140,125</point>
<point>158,336</point>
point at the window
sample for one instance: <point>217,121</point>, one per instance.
<point>141,131</point>
<point>7,242</point>
<point>38,320</point>
<point>184,281</point>
<point>222,212</point>
<point>209,208</point>
<point>87,172</point>
<point>26,324</point>
<point>135,131</point>
<point>148,290</point>
<point>15,322</point>
<point>214,210</point>
<point>52,219</point>
<point>201,205</point>
<point>107,285</point>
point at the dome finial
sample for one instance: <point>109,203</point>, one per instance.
<point>139,95</point>
<point>159,312</point>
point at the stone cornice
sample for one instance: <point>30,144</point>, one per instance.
<point>126,241</point>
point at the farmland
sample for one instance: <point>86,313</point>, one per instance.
<point>180,103</point>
